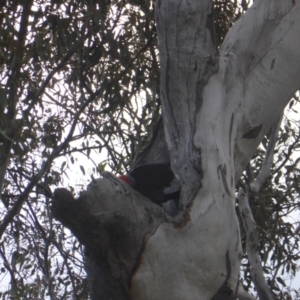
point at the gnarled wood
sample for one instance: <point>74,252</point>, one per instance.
<point>113,222</point>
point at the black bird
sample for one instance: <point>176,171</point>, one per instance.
<point>154,182</point>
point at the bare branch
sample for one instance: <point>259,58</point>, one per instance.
<point>268,161</point>
<point>288,154</point>
<point>243,295</point>
<point>15,69</point>
<point>45,166</point>
<point>251,244</point>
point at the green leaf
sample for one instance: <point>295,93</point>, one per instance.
<point>101,167</point>
<point>63,165</point>
<point>280,280</point>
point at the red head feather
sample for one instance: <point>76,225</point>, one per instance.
<point>129,180</point>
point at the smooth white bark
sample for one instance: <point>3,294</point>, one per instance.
<point>259,60</point>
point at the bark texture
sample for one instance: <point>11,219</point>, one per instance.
<point>113,222</point>
<point>199,258</point>
<point>156,151</point>
<point>188,58</point>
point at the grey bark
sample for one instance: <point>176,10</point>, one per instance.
<point>156,152</point>
<point>113,222</point>
<point>188,58</point>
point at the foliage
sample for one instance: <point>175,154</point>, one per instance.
<point>79,94</point>
<point>79,80</point>
<point>276,206</point>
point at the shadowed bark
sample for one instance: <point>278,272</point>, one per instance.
<point>113,222</point>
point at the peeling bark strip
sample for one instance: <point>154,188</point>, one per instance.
<point>156,151</point>
<point>222,171</point>
<point>230,133</point>
<point>188,59</point>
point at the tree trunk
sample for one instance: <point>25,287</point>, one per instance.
<point>216,110</point>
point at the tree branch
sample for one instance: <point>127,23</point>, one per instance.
<point>15,69</point>
<point>251,245</point>
<point>45,166</point>
<point>257,57</point>
<point>268,161</point>
<point>113,232</point>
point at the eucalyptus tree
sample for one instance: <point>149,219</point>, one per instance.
<point>217,107</point>
<point>85,78</point>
